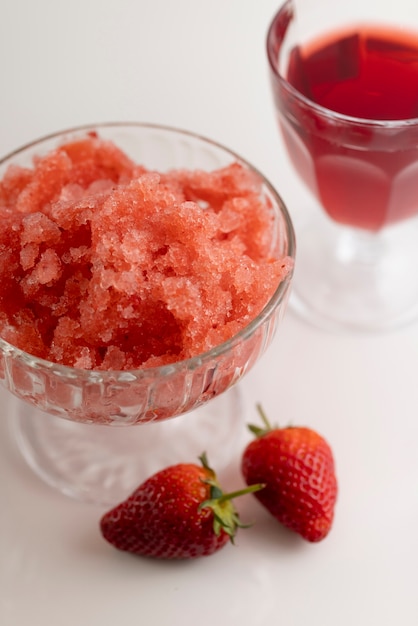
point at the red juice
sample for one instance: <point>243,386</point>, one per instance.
<point>363,167</point>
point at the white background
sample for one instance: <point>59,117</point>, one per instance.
<point>201,66</point>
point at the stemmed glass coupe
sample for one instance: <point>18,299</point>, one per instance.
<point>344,78</point>
<point>95,434</point>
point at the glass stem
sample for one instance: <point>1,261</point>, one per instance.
<point>359,247</point>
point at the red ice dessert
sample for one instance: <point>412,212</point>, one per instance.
<point>107,265</point>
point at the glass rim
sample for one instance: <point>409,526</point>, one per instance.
<point>67,371</point>
<point>340,118</point>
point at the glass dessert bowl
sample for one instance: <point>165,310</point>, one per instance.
<point>92,430</point>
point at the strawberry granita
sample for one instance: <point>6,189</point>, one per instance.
<point>105,264</point>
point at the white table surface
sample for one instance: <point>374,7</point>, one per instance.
<point>201,66</point>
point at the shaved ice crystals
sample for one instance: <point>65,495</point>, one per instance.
<point>107,265</point>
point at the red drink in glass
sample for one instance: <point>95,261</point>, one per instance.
<point>344,78</point>
<point>347,105</point>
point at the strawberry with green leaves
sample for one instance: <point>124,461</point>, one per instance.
<point>178,513</point>
<point>296,465</point>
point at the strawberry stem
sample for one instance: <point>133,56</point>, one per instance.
<point>259,431</point>
<point>225,516</point>
<point>241,492</point>
<point>263,416</point>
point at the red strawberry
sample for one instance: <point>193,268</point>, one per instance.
<point>297,467</point>
<point>178,513</point>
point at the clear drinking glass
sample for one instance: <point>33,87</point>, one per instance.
<point>95,434</point>
<point>357,250</point>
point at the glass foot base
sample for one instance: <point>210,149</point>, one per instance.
<point>347,279</point>
<point>104,464</point>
